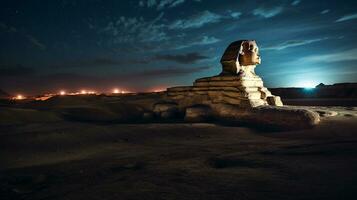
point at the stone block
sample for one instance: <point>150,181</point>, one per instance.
<point>274,101</point>
<point>198,113</point>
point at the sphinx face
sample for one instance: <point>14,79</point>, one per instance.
<point>249,54</point>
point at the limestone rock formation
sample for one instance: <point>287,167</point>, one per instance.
<point>198,113</point>
<point>236,95</point>
<point>271,116</point>
<point>166,110</point>
<point>237,84</point>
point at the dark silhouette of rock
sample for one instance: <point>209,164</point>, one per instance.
<point>338,90</point>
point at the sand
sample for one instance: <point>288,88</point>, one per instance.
<point>51,158</point>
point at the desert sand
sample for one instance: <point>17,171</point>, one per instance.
<point>71,148</point>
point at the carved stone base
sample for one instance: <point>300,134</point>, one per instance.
<point>242,91</point>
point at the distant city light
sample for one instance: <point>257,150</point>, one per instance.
<point>116,91</point>
<point>119,91</point>
<point>83,92</point>
<point>62,92</point>
<point>19,97</point>
<point>158,89</point>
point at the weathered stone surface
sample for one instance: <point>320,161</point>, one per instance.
<point>198,113</point>
<point>326,113</point>
<point>265,93</point>
<point>162,107</point>
<point>286,117</point>
<point>282,117</point>
<point>168,115</point>
<point>166,110</point>
<point>148,115</point>
<point>274,101</point>
<point>241,83</point>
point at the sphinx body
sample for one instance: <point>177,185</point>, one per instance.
<point>237,84</point>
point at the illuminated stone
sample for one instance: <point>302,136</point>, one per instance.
<point>237,84</point>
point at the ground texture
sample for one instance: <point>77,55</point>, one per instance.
<point>63,159</point>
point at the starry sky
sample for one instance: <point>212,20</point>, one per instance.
<point>145,45</point>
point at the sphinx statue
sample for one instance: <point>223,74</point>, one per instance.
<point>241,58</point>
<point>237,84</point>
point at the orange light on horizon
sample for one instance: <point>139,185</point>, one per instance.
<point>119,91</point>
<point>83,92</point>
<point>19,97</point>
<point>62,92</point>
<point>158,89</point>
<point>116,91</point>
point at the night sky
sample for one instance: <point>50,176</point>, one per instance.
<point>145,45</point>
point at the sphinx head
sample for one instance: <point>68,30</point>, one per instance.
<point>249,53</point>
<point>238,54</point>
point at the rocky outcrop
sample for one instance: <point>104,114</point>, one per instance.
<point>282,117</point>
<point>166,110</point>
<point>339,90</point>
<point>198,113</point>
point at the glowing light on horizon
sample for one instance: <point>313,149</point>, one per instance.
<point>19,97</point>
<point>162,89</point>
<point>83,92</point>
<point>119,91</point>
<point>62,92</point>
<point>307,84</point>
<point>116,91</point>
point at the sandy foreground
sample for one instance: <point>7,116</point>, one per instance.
<point>77,160</point>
